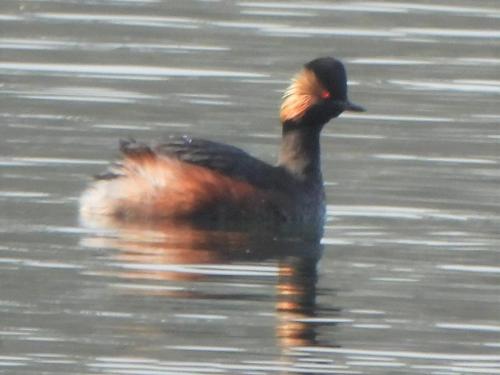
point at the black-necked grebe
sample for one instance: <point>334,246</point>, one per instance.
<point>194,179</point>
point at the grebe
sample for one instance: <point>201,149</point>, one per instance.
<point>199,180</point>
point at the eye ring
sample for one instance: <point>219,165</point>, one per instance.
<point>325,94</point>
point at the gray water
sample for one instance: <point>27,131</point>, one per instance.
<point>406,279</point>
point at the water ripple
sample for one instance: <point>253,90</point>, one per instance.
<point>469,268</point>
<point>85,94</point>
<point>431,159</point>
<point>354,7</point>
<point>117,71</point>
<point>29,161</point>
<point>404,354</point>
<point>483,87</point>
<point>470,327</point>
<point>121,19</point>
<point>60,45</point>
<point>450,33</point>
<point>202,269</point>
<point>388,212</point>
<point>435,8</point>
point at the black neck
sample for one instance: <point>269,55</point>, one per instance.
<point>300,150</point>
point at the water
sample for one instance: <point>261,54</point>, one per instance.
<point>406,278</point>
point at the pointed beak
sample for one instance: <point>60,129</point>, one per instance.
<point>348,106</point>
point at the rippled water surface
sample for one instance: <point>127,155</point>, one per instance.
<point>406,279</point>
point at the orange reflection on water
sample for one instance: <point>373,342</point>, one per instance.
<point>177,252</point>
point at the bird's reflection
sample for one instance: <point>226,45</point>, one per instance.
<point>173,252</point>
<point>296,301</point>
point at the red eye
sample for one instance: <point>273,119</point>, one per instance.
<point>325,94</point>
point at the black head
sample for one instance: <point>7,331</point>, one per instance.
<point>318,93</point>
<point>332,76</point>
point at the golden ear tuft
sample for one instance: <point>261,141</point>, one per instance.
<point>304,91</point>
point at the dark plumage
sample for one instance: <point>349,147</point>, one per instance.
<point>191,179</point>
<point>223,158</point>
